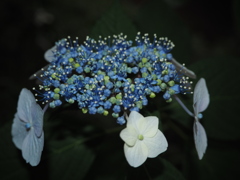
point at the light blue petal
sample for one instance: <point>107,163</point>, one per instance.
<point>37,119</point>
<point>200,96</point>
<point>200,139</point>
<point>49,55</point>
<point>32,148</point>
<point>25,101</point>
<point>18,132</point>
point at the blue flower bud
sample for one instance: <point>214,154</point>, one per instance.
<point>92,110</point>
<point>107,105</point>
<point>166,95</point>
<point>116,109</point>
<point>121,120</point>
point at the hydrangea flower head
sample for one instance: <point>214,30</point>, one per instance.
<point>27,128</point>
<point>142,139</point>
<point>110,75</point>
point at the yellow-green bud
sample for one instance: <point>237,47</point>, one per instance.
<point>113,100</point>
<point>152,95</point>
<point>144,60</point>
<point>144,75</point>
<point>119,96</point>
<point>56,96</point>
<point>56,90</point>
<point>115,115</point>
<point>159,81</point>
<point>171,83</point>
<point>70,60</point>
<point>76,65</point>
<point>84,110</point>
<point>163,86</point>
<point>171,91</point>
<point>105,112</point>
<point>154,76</point>
<point>169,100</point>
<point>71,101</point>
<point>165,72</point>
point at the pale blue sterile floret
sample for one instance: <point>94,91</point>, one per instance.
<point>111,74</point>
<point>27,128</point>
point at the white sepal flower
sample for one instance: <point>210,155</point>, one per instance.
<point>142,139</point>
<point>200,103</point>
<point>27,128</point>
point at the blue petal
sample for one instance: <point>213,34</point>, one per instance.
<point>37,119</point>
<point>32,148</point>
<point>25,101</point>
<point>49,54</point>
<point>18,132</point>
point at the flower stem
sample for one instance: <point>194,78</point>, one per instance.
<point>183,106</point>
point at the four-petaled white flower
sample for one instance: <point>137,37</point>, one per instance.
<point>200,103</point>
<point>27,128</point>
<point>142,139</point>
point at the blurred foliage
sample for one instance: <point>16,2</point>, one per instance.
<point>79,146</point>
<point>114,22</point>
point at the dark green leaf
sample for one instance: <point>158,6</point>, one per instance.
<point>114,21</point>
<point>12,164</point>
<point>177,113</point>
<point>157,17</point>
<point>70,159</point>
<point>218,163</point>
<point>110,162</point>
<point>165,170</point>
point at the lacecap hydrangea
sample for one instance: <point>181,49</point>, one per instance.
<point>111,75</point>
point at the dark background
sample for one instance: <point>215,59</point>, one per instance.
<point>206,34</point>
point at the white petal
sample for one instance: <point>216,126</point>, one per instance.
<point>137,154</point>
<point>37,118</point>
<point>129,135</point>
<point>134,116</point>
<point>18,132</point>
<point>49,55</point>
<point>200,96</point>
<point>182,69</point>
<point>200,139</point>
<point>25,101</point>
<point>149,126</point>
<point>137,121</point>
<point>156,145</point>
<point>32,148</point>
